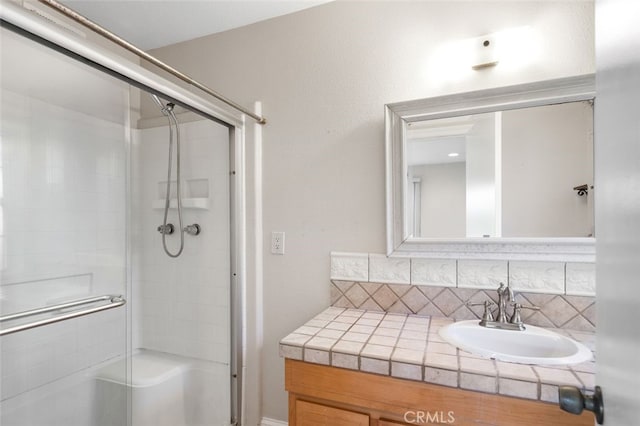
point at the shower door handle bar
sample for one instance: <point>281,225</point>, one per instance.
<point>114,302</point>
<point>58,307</point>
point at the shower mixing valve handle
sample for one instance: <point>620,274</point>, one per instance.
<point>192,229</point>
<point>166,229</point>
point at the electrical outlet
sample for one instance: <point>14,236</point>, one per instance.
<point>277,242</point>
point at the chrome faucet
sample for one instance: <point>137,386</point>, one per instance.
<point>503,321</point>
<point>504,293</point>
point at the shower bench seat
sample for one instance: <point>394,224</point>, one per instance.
<point>166,390</point>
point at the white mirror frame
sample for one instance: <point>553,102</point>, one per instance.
<point>398,115</point>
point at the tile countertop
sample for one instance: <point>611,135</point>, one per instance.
<point>409,347</point>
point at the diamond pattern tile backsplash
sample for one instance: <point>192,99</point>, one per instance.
<point>559,311</point>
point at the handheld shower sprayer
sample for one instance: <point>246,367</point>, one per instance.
<point>166,109</point>
<point>167,228</point>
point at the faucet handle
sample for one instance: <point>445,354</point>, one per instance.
<point>516,318</point>
<point>487,316</point>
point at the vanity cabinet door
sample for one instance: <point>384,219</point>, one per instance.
<point>311,414</point>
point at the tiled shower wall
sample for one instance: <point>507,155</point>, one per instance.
<point>564,292</point>
<point>183,303</point>
<point>62,235</point>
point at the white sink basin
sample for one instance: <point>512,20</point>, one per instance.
<point>534,345</point>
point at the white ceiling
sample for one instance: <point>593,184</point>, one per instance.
<point>155,23</point>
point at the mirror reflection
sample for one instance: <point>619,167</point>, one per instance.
<point>524,173</point>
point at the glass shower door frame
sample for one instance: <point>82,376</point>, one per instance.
<point>42,32</point>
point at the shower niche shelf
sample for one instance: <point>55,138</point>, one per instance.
<point>187,203</point>
<point>195,195</point>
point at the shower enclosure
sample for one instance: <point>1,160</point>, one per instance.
<point>99,325</point>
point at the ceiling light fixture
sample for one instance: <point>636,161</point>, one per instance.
<point>486,53</point>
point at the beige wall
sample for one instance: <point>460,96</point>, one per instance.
<point>443,199</point>
<point>547,151</point>
<point>323,76</point>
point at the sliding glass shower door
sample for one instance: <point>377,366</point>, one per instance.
<point>99,326</point>
<point>64,138</point>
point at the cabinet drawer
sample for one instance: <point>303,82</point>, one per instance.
<point>311,414</point>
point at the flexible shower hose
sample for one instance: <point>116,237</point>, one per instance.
<point>168,111</point>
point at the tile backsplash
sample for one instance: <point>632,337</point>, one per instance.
<point>565,292</point>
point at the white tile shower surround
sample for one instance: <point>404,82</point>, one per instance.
<point>81,186</point>
<point>409,347</point>
<point>62,167</point>
<point>574,279</point>
<point>184,302</point>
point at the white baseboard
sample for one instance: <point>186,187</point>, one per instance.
<point>272,422</point>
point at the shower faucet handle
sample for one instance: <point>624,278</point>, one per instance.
<point>166,229</point>
<point>192,229</point>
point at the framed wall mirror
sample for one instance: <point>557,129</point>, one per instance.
<point>498,173</point>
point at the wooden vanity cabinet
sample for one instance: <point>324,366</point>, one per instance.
<point>327,396</point>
